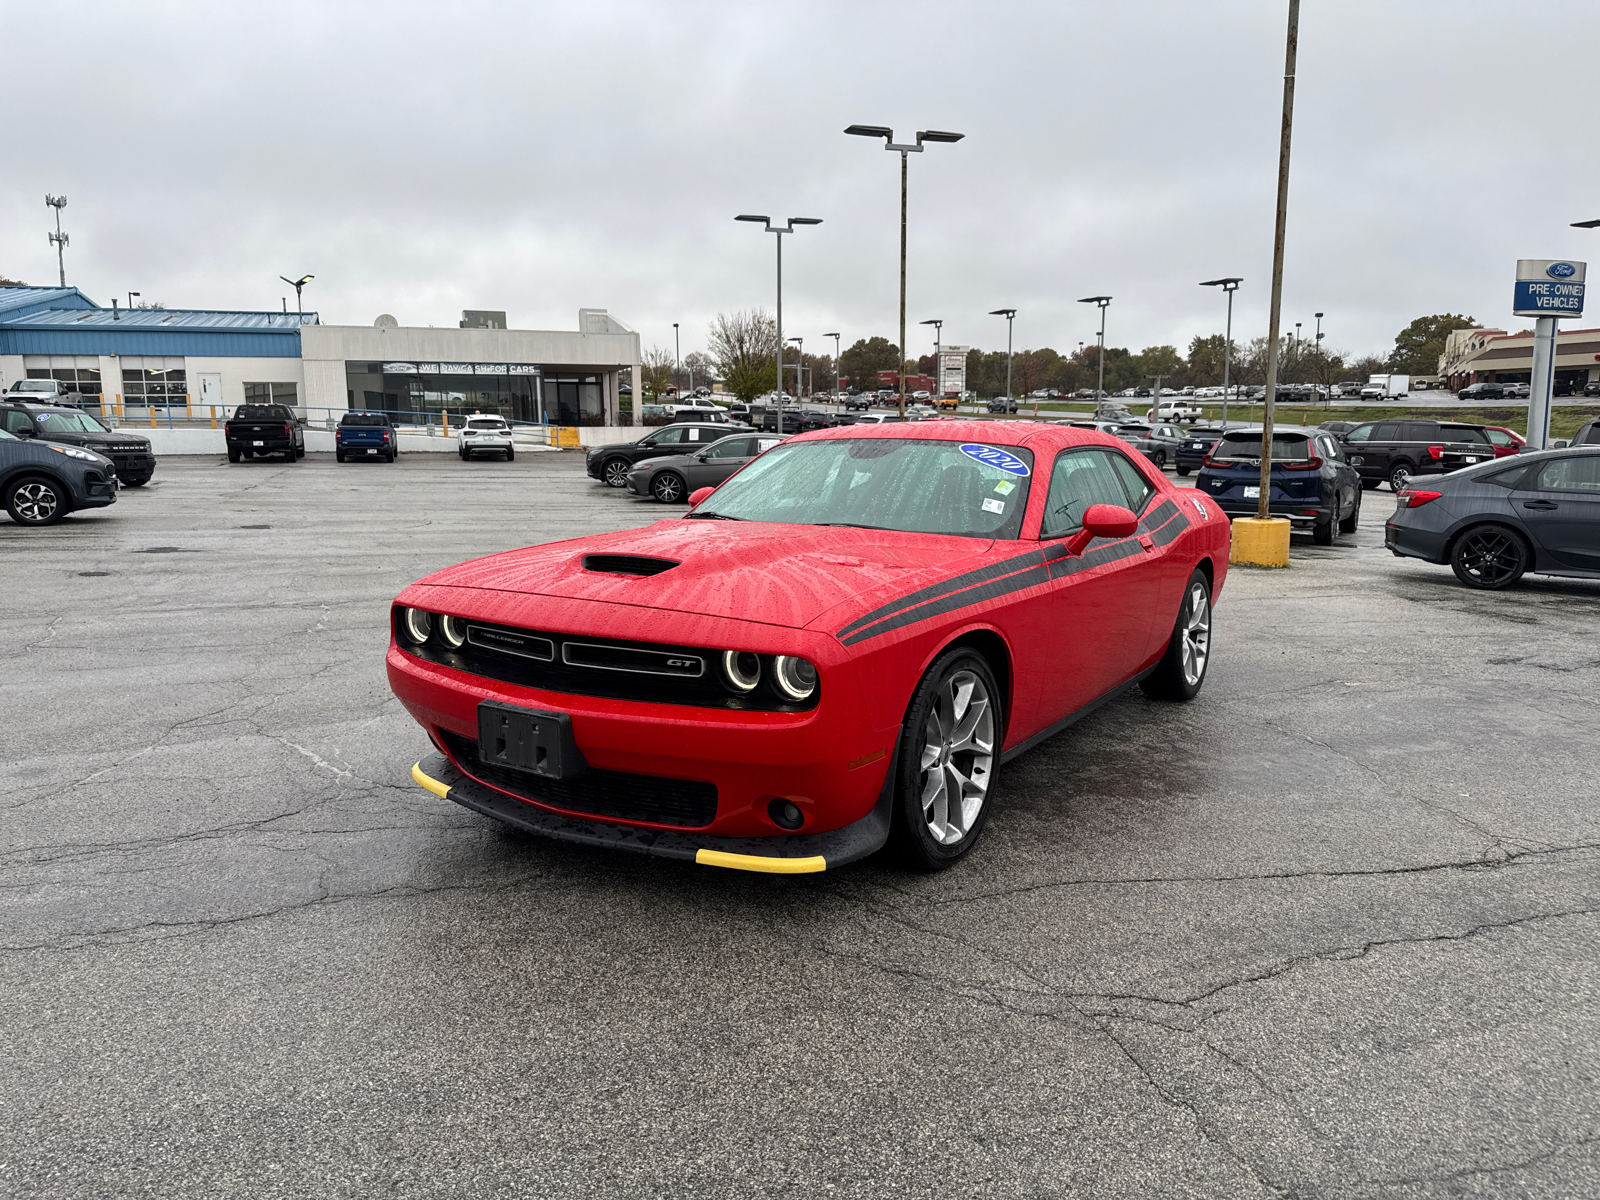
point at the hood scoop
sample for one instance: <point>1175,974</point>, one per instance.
<point>627,564</point>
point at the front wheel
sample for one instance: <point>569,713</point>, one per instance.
<point>947,761</point>
<point>1489,557</point>
<point>1182,670</point>
<point>35,500</point>
<point>668,488</point>
<point>615,472</point>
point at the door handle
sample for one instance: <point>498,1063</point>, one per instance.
<point>1541,505</point>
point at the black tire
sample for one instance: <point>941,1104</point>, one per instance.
<point>1322,531</point>
<point>1370,485</point>
<point>614,472</point>
<point>669,487</point>
<point>233,455</point>
<point>911,831</point>
<point>291,455</point>
<point>1489,557</point>
<point>1160,460</point>
<point>462,454</point>
<point>1399,475</point>
<point>1181,470</point>
<point>393,454</point>
<point>511,454</point>
<point>140,482</point>
<point>1181,673</point>
<point>1353,522</point>
<point>37,500</point>
<point>338,456</point>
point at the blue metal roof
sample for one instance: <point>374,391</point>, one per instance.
<point>65,321</point>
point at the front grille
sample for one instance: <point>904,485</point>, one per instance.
<point>604,667</point>
<point>686,803</point>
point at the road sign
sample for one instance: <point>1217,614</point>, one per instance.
<point>1548,287</point>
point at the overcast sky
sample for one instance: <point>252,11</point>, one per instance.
<point>422,158</point>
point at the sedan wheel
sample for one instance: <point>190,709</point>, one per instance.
<point>947,760</point>
<point>35,502</point>
<point>615,472</point>
<point>1182,669</point>
<point>667,488</point>
<point>1490,557</point>
<point>1160,460</point>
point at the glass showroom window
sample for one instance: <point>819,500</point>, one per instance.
<point>154,382</point>
<point>84,380</point>
<point>270,393</point>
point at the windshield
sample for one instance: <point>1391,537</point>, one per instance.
<point>1286,447</point>
<point>75,422</point>
<point>963,489</point>
<point>491,423</point>
<point>259,412</point>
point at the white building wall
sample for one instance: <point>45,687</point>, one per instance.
<point>11,370</point>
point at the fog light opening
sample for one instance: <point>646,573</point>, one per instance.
<point>786,814</point>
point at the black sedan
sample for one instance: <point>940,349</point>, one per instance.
<point>673,480</point>
<point>41,482</point>
<point>611,464</point>
<point>1493,523</point>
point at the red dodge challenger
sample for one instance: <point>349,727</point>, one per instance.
<point>836,648</point>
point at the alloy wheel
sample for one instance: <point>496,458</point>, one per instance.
<point>1196,635</point>
<point>1399,477</point>
<point>1490,558</point>
<point>668,489</point>
<point>616,473</point>
<point>957,761</point>
<point>36,502</point>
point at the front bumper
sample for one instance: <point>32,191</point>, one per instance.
<point>792,854</point>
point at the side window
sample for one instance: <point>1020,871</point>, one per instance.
<point>1080,478</point>
<point>1138,487</point>
<point>1462,433</point>
<point>670,436</point>
<point>1386,431</point>
<point>732,448</point>
<point>1420,431</point>
<point>1360,433</point>
<point>16,419</point>
<point>1578,474</point>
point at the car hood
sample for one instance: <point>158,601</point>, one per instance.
<point>98,442</point>
<point>787,575</point>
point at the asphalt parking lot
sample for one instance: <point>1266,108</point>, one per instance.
<point>1331,930</point>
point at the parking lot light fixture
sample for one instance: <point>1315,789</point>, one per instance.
<point>298,285</point>
<point>1010,314</point>
<point>835,338</point>
<point>938,363</point>
<point>887,134</point>
<point>780,231</point>
<point>1595,224</point>
<point>1100,383</point>
<point>799,367</point>
<point>1230,284</point>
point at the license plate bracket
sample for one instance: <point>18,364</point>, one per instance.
<point>528,740</point>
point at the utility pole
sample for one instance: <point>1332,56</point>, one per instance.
<point>59,239</point>
<point>1292,43</point>
<point>788,227</point>
<point>1100,385</point>
<point>1230,284</point>
<point>1010,314</point>
<point>835,338</point>
<point>677,356</point>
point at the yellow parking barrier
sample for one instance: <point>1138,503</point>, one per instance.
<point>567,437</point>
<point>1258,543</point>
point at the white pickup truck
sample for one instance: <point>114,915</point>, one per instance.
<point>1173,410</point>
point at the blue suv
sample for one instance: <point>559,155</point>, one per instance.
<point>1312,483</point>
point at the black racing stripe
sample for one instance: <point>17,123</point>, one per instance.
<point>1014,563</point>
<point>1032,577</point>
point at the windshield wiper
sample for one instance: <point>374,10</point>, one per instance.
<point>710,516</point>
<point>850,525</point>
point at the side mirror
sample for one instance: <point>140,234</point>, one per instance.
<point>25,431</point>
<point>1561,444</point>
<point>1102,521</point>
<point>699,494</point>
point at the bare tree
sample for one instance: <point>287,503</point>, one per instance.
<point>745,347</point>
<point>657,370</point>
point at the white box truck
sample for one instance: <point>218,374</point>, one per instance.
<point>1384,387</point>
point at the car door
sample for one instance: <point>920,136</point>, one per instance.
<point>659,444</point>
<point>1093,624</point>
<point>716,463</point>
<point>1560,505</point>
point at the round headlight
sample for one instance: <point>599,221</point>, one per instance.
<point>416,625</point>
<point>795,678</point>
<point>741,671</point>
<point>452,631</point>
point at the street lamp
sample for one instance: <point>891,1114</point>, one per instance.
<point>835,338</point>
<point>1229,285</point>
<point>799,367</point>
<point>887,134</point>
<point>1586,224</point>
<point>1103,302</point>
<point>938,362</point>
<point>771,228</point>
<point>131,295</point>
<point>677,357</point>
<point>297,284</point>
<point>1010,314</point>
<point>58,239</point>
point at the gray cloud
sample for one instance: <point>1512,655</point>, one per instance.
<point>424,158</point>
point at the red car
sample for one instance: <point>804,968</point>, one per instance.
<point>1506,441</point>
<point>838,646</point>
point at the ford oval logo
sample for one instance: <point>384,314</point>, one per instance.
<point>993,456</point>
<point>1561,270</point>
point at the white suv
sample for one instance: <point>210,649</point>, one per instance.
<point>485,433</point>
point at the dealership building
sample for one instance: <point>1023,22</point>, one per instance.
<point>186,362</point>
<point>1496,356</point>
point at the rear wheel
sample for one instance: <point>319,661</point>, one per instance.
<point>1399,475</point>
<point>1353,521</point>
<point>947,762</point>
<point>1489,557</point>
<point>1322,531</point>
<point>35,500</point>
<point>233,455</point>
<point>668,487</point>
<point>338,456</point>
<point>511,453</point>
<point>1368,485</point>
<point>1181,470</point>
<point>1182,670</point>
<point>1160,460</point>
<point>291,455</point>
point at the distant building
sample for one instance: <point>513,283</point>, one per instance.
<point>190,360</point>
<point>1496,356</point>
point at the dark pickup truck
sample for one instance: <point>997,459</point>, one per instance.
<point>265,429</point>
<point>363,433</point>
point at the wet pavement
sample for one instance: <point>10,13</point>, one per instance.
<point>1331,930</point>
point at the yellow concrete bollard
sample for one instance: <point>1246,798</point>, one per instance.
<point>1258,543</point>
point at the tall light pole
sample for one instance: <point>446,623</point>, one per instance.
<point>1010,314</point>
<point>1229,285</point>
<point>1103,302</point>
<point>799,367</point>
<point>887,134</point>
<point>788,228</point>
<point>58,239</point>
<point>297,284</point>
<point>1322,363</point>
<point>1291,47</point>
<point>835,338</point>
<point>938,362</point>
<point>677,356</point>
<point>131,295</point>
